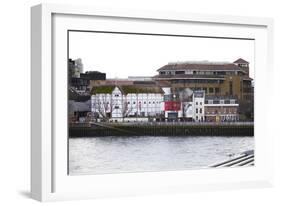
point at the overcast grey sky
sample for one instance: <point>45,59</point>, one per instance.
<point>123,55</point>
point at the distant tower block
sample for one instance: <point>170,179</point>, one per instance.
<point>78,67</point>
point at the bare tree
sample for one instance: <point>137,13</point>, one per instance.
<point>125,108</point>
<point>105,105</point>
<point>100,106</point>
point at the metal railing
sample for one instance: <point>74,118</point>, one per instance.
<point>246,158</point>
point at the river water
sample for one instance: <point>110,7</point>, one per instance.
<point>100,155</point>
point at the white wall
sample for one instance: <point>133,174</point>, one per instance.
<point>15,130</point>
<point>198,108</point>
<point>148,104</point>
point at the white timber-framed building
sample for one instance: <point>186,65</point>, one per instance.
<point>126,103</point>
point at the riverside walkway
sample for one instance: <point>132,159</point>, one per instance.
<point>162,129</point>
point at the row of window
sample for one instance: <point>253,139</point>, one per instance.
<point>216,112</point>
<point>204,81</point>
<point>201,118</point>
<point>199,72</point>
<point>145,102</point>
<point>134,102</point>
<point>117,95</point>
<point>211,101</point>
<point>210,90</point>
<point>117,107</point>
<point>200,111</point>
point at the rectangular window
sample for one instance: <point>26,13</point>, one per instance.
<point>216,101</point>
<point>211,90</point>
<point>196,111</point>
<point>232,101</point>
<point>179,72</point>
<point>217,90</point>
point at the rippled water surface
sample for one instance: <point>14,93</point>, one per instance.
<point>99,155</point>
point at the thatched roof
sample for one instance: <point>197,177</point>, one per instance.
<point>103,89</point>
<point>129,89</point>
<point>126,89</point>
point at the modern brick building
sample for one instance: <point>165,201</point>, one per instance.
<point>221,109</point>
<point>215,78</point>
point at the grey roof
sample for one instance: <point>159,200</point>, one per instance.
<point>241,61</point>
<point>74,95</point>
<point>74,106</point>
<point>200,66</point>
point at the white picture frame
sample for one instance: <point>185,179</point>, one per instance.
<point>49,179</point>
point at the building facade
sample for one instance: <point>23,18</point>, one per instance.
<point>81,81</point>
<point>221,109</point>
<point>215,78</point>
<point>198,106</point>
<point>75,67</point>
<point>184,91</point>
<point>114,103</point>
<point>201,108</point>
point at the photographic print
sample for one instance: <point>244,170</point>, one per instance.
<point>141,102</point>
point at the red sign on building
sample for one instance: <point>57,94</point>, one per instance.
<point>172,106</point>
